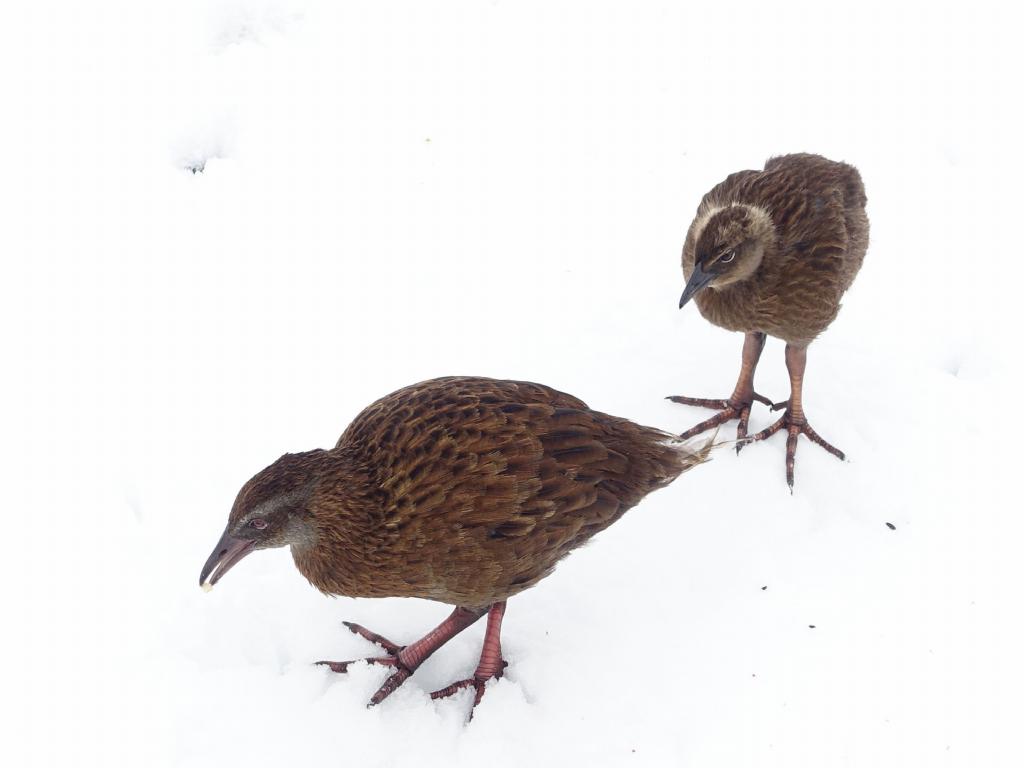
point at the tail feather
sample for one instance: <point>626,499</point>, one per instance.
<point>684,455</point>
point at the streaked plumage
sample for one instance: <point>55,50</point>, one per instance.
<point>772,252</point>
<point>461,490</point>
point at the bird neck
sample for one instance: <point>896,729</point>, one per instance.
<point>341,519</point>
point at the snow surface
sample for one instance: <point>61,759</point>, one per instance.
<point>391,191</point>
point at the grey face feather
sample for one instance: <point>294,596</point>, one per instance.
<point>284,515</point>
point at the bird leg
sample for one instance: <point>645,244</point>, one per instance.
<point>491,664</point>
<point>407,658</point>
<point>794,419</point>
<point>742,398</point>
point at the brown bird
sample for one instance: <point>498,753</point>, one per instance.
<point>462,490</point>
<point>771,253</point>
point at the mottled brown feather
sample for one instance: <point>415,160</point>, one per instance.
<point>811,258</point>
<point>463,490</point>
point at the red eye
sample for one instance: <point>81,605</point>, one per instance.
<point>258,523</point>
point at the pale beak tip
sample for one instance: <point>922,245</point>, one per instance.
<point>206,586</point>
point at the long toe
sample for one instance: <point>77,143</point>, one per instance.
<point>391,685</point>
<point>373,637</point>
<point>478,683</point>
<point>699,402</point>
<point>814,437</point>
<point>794,432</point>
<point>731,408</point>
<point>458,685</point>
<point>719,405</point>
<point>767,432</point>
<point>793,429</point>
<point>714,421</point>
<point>741,429</point>
<point>342,666</point>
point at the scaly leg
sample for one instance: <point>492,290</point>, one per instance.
<point>739,403</point>
<point>491,664</point>
<point>408,658</point>
<point>794,419</point>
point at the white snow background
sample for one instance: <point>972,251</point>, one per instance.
<point>392,191</point>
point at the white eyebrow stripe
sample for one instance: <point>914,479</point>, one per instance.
<point>702,221</point>
<point>762,219</point>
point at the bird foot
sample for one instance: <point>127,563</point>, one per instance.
<point>393,659</point>
<point>478,682</point>
<point>794,426</point>
<point>733,408</point>
<point>407,659</point>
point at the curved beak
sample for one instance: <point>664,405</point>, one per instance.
<point>229,550</point>
<point>698,280</point>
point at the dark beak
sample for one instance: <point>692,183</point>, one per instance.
<point>228,551</point>
<point>698,280</point>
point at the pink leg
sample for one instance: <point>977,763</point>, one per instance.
<point>739,403</point>
<point>794,420</point>
<point>408,658</point>
<point>491,664</point>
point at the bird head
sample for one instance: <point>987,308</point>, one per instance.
<point>729,247</point>
<point>271,510</point>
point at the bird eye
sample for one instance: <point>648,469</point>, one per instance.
<point>729,256</point>
<point>258,523</point>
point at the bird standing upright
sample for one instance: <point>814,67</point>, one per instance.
<point>771,253</point>
<point>461,490</point>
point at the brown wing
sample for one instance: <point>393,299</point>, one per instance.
<point>486,484</point>
<point>806,195</point>
<point>386,415</point>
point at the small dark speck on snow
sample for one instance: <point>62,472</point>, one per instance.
<point>764,587</point>
<point>812,626</point>
<point>891,526</point>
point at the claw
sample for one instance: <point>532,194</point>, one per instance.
<point>794,426</point>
